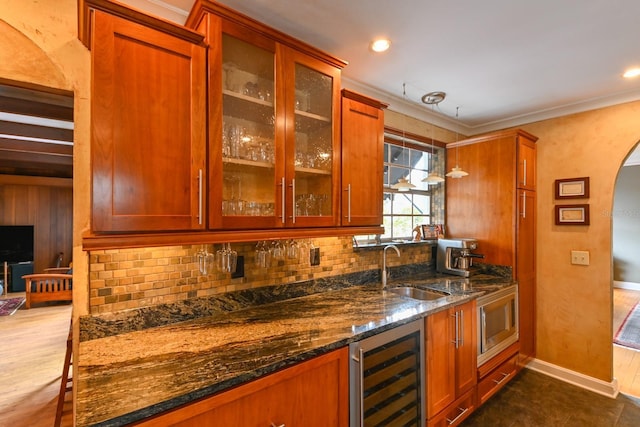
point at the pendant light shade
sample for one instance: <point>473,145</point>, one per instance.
<point>403,185</point>
<point>457,172</point>
<point>433,179</point>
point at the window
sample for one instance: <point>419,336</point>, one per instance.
<point>404,210</point>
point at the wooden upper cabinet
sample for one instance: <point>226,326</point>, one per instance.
<point>274,125</point>
<point>484,205</point>
<point>526,178</point>
<point>362,160</point>
<point>148,127</point>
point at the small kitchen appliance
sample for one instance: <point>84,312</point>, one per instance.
<point>454,256</point>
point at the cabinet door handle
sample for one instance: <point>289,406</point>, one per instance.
<point>348,190</point>
<point>457,326</point>
<point>293,200</point>
<point>453,421</point>
<point>279,425</point>
<point>504,377</point>
<point>524,173</point>
<point>282,195</point>
<point>199,196</point>
<point>461,329</point>
<point>524,205</point>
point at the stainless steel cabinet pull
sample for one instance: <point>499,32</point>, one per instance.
<point>199,196</point>
<point>524,205</point>
<point>281,425</point>
<point>524,173</point>
<point>293,201</point>
<point>504,377</point>
<point>461,337</point>
<point>348,190</point>
<point>457,337</point>
<point>282,194</point>
<point>453,421</point>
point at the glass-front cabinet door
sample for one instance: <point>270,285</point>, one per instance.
<point>274,157</point>
<point>312,141</point>
<point>249,152</point>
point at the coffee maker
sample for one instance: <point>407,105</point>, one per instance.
<point>454,256</point>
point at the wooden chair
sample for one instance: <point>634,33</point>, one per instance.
<point>48,287</point>
<point>66,383</point>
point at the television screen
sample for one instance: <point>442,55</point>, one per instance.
<point>16,243</point>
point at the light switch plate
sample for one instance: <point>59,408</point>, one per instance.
<point>580,257</point>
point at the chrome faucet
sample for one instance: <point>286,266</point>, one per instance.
<point>384,263</point>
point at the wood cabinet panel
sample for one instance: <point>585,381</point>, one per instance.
<point>526,164</point>
<point>457,412</point>
<point>495,205</point>
<point>441,361</point>
<point>496,379</point>
<point>148,128</point>
<point>45,203</point>
<point>314,393</point>
<point>362,159</point>
<point>451,343</point>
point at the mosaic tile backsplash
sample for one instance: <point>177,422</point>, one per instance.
<point>135,278</point>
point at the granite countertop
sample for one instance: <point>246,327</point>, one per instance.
<point>131,376</point>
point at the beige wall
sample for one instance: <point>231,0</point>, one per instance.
<point>574,326</point>
<point>39,45</point>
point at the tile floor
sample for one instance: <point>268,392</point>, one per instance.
<point>533,399</point>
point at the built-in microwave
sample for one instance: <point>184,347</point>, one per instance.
<point>497,322</point>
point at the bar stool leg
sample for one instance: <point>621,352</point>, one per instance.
<point>66,384</point>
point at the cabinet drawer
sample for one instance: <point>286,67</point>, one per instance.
<point>495,380</point>
<point>455,413</point>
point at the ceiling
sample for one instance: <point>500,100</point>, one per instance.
<point>36,131</point>
<point>502,62</point>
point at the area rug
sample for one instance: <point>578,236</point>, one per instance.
<point>629,333</point>
<point>10,305</point>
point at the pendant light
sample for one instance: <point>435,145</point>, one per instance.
<point>403,184</point>
<point>432,177</point>
<point>457,172</point>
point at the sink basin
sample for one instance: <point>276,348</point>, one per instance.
<point>415,293</point>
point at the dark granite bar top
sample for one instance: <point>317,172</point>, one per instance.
<point>133,375</point>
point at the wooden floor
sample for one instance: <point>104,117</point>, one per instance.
<point>31,360</point>
<point>626,362</point>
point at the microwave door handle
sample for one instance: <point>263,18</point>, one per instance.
<point>483,339</point>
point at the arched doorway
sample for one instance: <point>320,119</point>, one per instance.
<point>625,219</point>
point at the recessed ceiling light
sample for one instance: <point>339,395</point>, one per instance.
<point>632,72</point>
<point>380,45</point>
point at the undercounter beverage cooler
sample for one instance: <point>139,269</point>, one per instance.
<point>386,378</point>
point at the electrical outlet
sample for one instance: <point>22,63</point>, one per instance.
<point>239,268</point>
<point>580,257</point>
<point>314,256</point>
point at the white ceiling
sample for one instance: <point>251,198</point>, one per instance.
<point>503,62</point>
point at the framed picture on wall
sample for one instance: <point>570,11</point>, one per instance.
<point>572,214</point>
<point>572,188</point>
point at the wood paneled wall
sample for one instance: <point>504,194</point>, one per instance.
<point>46,203</point>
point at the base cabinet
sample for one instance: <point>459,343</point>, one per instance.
<point>456,412</point>
<point>314,393</point>
<point>451,337</point>
<point>497,372</point>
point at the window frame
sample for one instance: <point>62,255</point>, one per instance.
<point>435,193</point>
